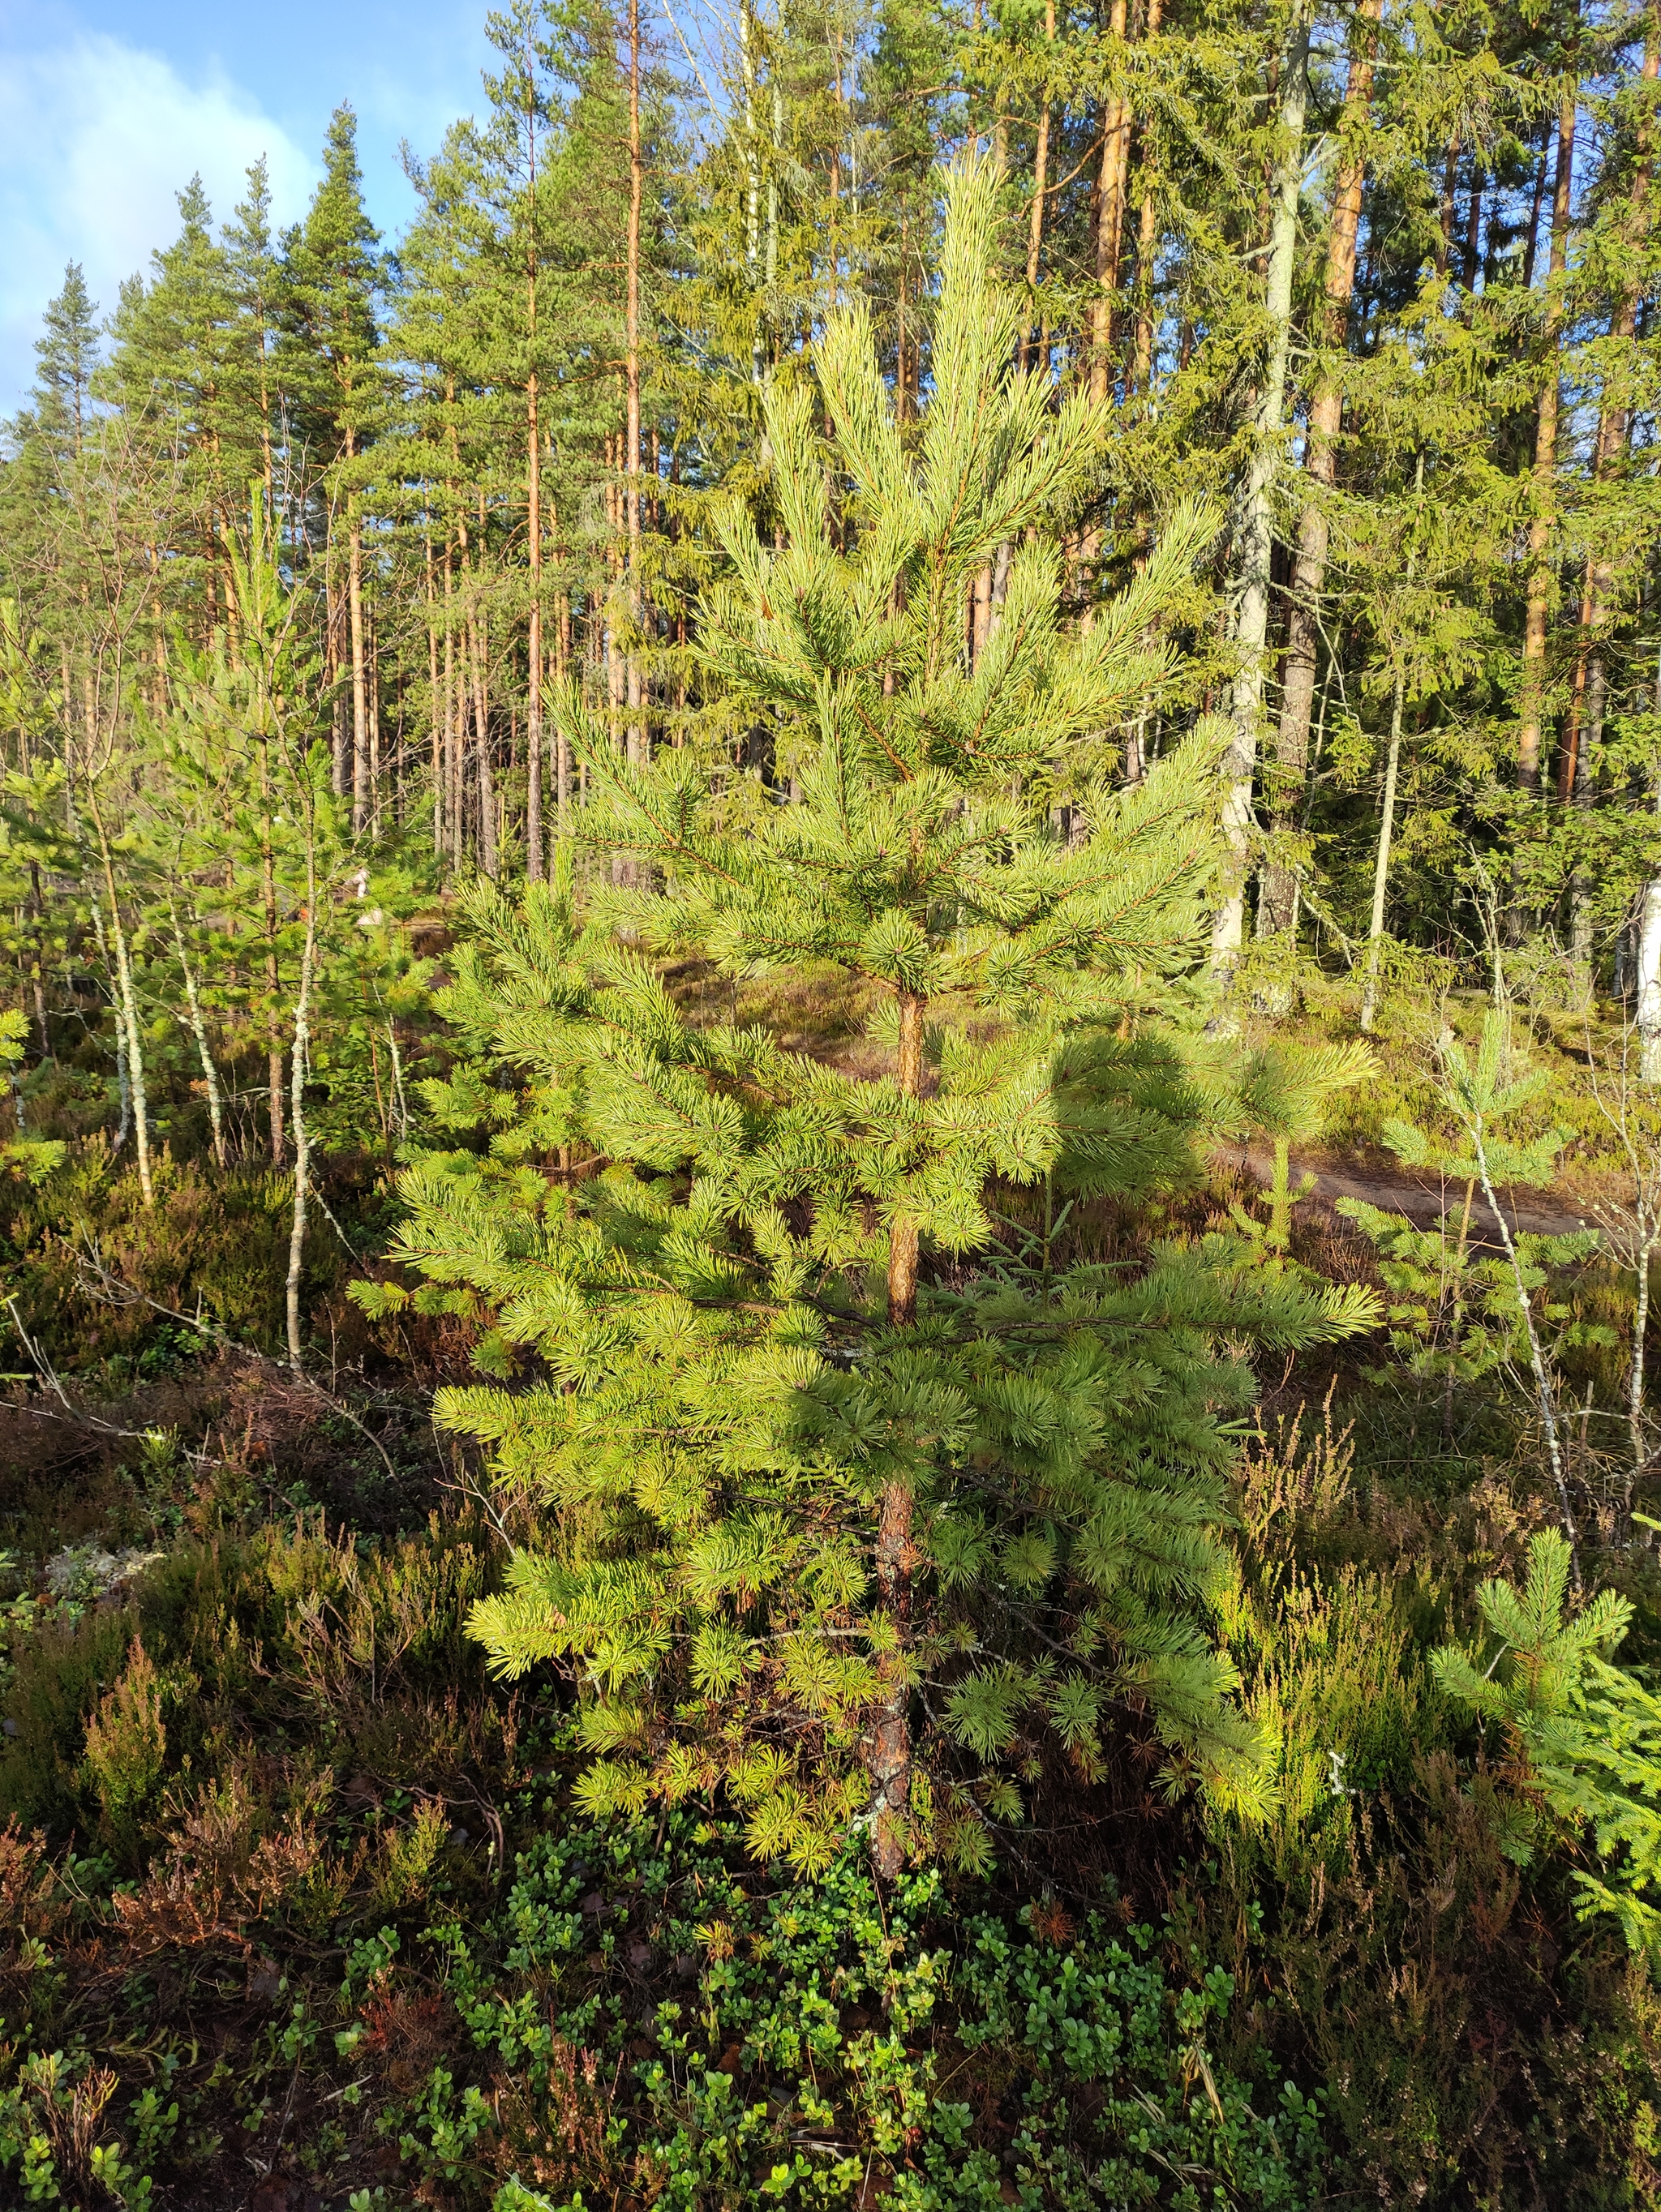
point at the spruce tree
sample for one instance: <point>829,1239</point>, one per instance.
<point>843,1501</point>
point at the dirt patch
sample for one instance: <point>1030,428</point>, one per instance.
<point>1423,1199</point>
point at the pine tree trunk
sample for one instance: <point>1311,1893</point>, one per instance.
<point>437,709</point>
<point>534,847</point>
<point>332,656</point>
<point>1545,463</point>
<point>1280,884</point>
<point>1612,430</point>
<point>534,837</point>
<point>452,768</point>
<point>360,693</point>
<point>1472,232</point>
<point>562,650</point>
<point>477,650</point>
<point>638,744</point>
<point>372,686</point>
<point>1034,224</point>
<point>1255,529</point>
<point>889,1759</point>
<point>1110,220</point>
<point>1142,374</point>
<point>1444,208</point>
<point>1614,422</point>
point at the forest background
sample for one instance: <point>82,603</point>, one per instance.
<point>1129,1681</point>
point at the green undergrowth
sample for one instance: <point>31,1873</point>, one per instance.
<point>285,1884</point>
<point>292,1895</point>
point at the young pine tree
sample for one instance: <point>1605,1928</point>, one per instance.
<point>843,1504</point>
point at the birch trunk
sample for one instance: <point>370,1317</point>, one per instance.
<point>1381,858</point>
<point>199,1031</point>
<point>1387,816</point>
<point>1255,529</point>
<point>302,1148</point>
<point>129,1006</point>
<point>1280,885</point>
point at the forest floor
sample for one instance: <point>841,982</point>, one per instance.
<point>1424,1199</point>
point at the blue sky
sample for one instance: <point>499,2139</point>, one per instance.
<point>107,107</point>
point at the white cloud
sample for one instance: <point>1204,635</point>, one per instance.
<point>96,139</point>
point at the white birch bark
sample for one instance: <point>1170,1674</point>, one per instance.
<point>1254,534</point>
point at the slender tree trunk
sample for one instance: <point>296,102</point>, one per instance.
<point>889,1759</point>
<point>1532,701</point>
<point>1280,885</point>
<point>273,980</point>
<point>140,1120</point>
<point>1530,251</point>
<point>1614,421</point>
<point>562,650</point>
<point>1141,376</point>
<point>454,718</point>
<point>199,1031</point>
<point>341,742</point>
<point>1381,857</point>
<point>1473,230</point>
<point>372,691</point>
<point>68,743</point>
<point>37,907</point>
<point>437,712</point>
<point>1444,211</point>
<point>1255,526</point>
<point>752,253</point>
<point>1109,219</point>
<point>638,744</point>
<point>1649,981</point>
<point>1035,215</point>
<point>1649,956</point>
<point>533,836</point>
<point>302,1144</point>
<point>1387,813</point>
<point>123,1086</point>
<point>360,689</point>
<point>1544,1396</point>
<point>478,649</point>
<point>1640,1322</point>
